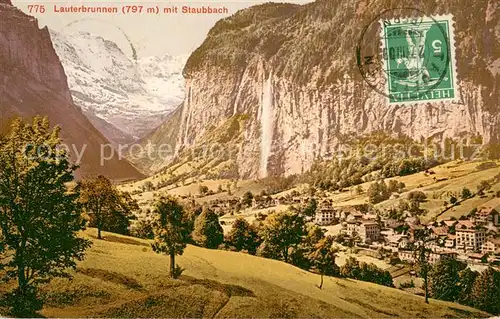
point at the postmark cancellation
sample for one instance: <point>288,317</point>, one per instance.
<point>419,59</point>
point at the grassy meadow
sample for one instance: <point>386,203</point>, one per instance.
<point>122,277</point>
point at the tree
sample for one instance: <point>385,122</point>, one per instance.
<point>108,208</point>
<point>417,196</point>
<point>444,279</point>
<point>281,231</point>
<point>453,200</point>
<point>366,272</point>
<point>143,229</point>
<point>486,291</point>
<point>466,283</point>
<point>203,189</point>
<point>243,236</point>
<point>466,193</point>
<point>171,229</point>
<point>323,258</point>
<point>421,253</point>
<point>310,209</point>
<point>378,192</point>
<point>483,186</point>
<point>359,190</point>
<point>247,198</point>
<point>148,186</point>
<point>39,217</point>
<point>207,231</point>
<point>300,254</point>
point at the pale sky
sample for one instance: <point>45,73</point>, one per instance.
<point>150,34</point>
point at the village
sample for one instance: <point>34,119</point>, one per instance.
<point>474,239</point>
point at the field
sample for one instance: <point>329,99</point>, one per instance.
<point>122,277</point>
<point>439,185</point>
<point>446,180</point>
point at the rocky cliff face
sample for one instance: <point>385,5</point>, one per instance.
<point>32,82</point>
<point>292,70</point>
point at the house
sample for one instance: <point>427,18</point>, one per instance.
<point>354,216</point>
<point>367,230</point>
<point>434,257</point>
<point>398,241</point>
<point>325,216</point>
<point>439,231</point>
<point>451,241</point>
<point>415,231</point>
<point>492,246</point>
<point>469,237</point>
<point>488,215</point>
<point>448,223</point>
<point>477,257</point>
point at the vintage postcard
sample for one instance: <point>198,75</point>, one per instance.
<point>249,159</point>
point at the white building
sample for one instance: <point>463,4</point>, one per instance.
<point>325,216</point>
<point>469,237</point>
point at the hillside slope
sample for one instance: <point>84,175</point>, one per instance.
<point>32,82</point>
<point>122,277</point>
<point>292,70</point>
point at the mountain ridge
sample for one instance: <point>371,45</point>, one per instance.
<point>317,94</point>
<point>115,91</point>
<point>33,82</point>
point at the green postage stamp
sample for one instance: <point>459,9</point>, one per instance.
<point>419,57</point>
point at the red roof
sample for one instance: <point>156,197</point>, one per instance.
<point>440,231</point>
<point>449,223</point>
<point>467,224</point>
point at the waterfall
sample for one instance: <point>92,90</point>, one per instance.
<point>266,125</point>
<point>187,105</point>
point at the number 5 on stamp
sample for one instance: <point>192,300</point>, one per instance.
<point>419,59</point>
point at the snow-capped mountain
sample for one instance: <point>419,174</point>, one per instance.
<point>125,99</point>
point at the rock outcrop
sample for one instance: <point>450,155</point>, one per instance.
<point>292,70</point>
<point>32,82</point>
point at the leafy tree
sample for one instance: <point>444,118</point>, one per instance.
<point>366,272</point>
<point>444,279</point>
<point>465,285</point>
<point>393,186</point>
<point>483,186</point>
<point>247,198</point>
<point>203,189</point>
<point>171,229</point>
<point>148,186</point>
<point>466,193</point>
<point>486,291</point>
<point>311,207</point>
<point>143,229</point>
<point>323,258</point>
<point>453,200</point>
<point>300,254</point>
<point>39,217</point>
<point>281,231</point>
<point>417,196</point>
<point>108,208</point>
<point>207,230</point>
<point>243,236</point>
<point>421,253</point>
<point>378,192</point>
<point>359,190</point>
<point>351,268</point>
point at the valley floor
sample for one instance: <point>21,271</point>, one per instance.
<point>122,277</point>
